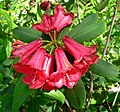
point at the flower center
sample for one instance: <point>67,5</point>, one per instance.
<point>54,43</point>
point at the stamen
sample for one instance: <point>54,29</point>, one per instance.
<point>48,45</point>
<point>68,77</point>
<point>52,49</point>
<point>54,34</point>
<point>46,41</point>
<point>51,36</point>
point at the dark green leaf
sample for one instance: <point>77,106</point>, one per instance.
<point>102,5</point>
<point>105,69</point>
<point>6,103</point>
<point>26,34</point>
<point>64,32</point>
<point>43,99</point>
<point>88,29</point>
<point>21,93</point>
<point>5,71</point>
<point>3,52</point>
<point>1,77</point>
<point>77,95</point>
<point>33,106</point>
<point>2,35</point>
<point>56,94</point>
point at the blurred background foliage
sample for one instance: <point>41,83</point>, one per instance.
<point>16,13</point>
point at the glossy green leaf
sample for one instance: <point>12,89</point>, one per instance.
<point>5,16</point>
<point>105,69</point>
<point>21,93</point>
<point>26,34</point>
<point>88,29</point>
<point>77,95</point>
<point>56,94</point>
<point>102,5</point>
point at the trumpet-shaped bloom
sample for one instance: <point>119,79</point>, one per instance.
<point>59,20</point>
<point>23,51</point>
<point>66,74</point>
<point>84,56</point>
<point>37,77</point>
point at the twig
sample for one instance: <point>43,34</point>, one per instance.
<point>105,49</point>
<point>108,37</point>
<point>78,14</point>
<point>116,96</point>
<point>106,99</point>
<point>67,103</point>
<point>91,91</point>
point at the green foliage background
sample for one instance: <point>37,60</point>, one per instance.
<point>95,18</point>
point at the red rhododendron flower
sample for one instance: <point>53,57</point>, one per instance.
<point>38,66</point>
<point>59,20</point>
<point>66,74</point>
<point>84,56</point>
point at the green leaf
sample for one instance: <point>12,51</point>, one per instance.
<point>5,103</point>
<point>63,32</point>
<point>21,93</point>
<point>56,94</point>
<point>33,106</point>
<point>5,71</point>
<point>26,34</point>
<point>1,77</point>
<point>8,48</point>
<point>3,52</point>
<point>118,5</point>
<point>5,16</point>
<point>101,81</point>
<point>39,11</point>
<point>8,62</point>
<point>88,29</point>
<point>77,95</point>
<point>105,69</point>
<point>102,5</point>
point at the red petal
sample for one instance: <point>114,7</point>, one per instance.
<point>61,18</point>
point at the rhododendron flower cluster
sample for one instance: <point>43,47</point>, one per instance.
<point>46,65</point>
